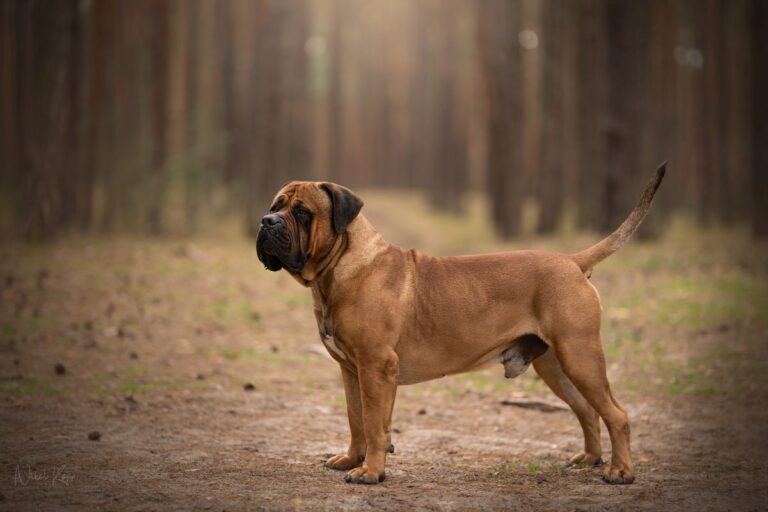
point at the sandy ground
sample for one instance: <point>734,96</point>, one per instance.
<point>159,339</point>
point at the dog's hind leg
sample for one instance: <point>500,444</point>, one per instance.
<point>549,369</point>
<point>582,360</point>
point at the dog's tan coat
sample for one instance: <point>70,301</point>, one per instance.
<point>391,316</point>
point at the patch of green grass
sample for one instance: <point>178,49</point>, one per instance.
<point>533,468</point>
<point>225,310</point>
<point>137,381</point>
<point>509,467</point>
<point>240,355</point>
<point>8,329</point>
<point>296,298</point>
<point>226,353</point>
<point>701,302</point>
<point>612,350</point>
<point>485,380</point>
<point>514,466</point>
<point>35,386</point>
<point>692,377</point>
<point>475,380</point>
<point>133,386</point>
<point>28,325</point>
<point>455,390</point>
<point>530,383</point>
<point>451,464</point>
<point>652,264</point>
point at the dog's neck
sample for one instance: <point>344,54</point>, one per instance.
<point>351,252</point>
<point>314,271</point>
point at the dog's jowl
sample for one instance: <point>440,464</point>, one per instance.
<point>391,317</point>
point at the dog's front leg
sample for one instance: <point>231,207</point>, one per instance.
<point>378,385</point>
<point>356,452</point>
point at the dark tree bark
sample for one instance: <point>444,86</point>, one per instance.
<point>591,113</point>
<point>227,93</point>
<point>713,165</point>
<point>422,107</point>
<point>737,70</point>
<point>626,29</point>
<point>115,113</point>
<point>449,173</point>
<point>759,119</point>
<point>658,138</point>
<point>159,47</point>
<point>47,72</point>
<point>9,105</point>
<point>551,193</point>
<point>500,50</point>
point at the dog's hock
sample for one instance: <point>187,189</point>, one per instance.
<point>517,358</point>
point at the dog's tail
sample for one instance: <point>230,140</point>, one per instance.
<point>588,258</point>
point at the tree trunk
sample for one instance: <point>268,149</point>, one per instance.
<point>759,119</point>
<point>500,49</point>
<point>551,182</point>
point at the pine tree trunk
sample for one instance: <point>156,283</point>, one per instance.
<point>500,26</point>
<point>759,119</point>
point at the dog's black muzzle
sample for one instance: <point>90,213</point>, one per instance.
<point>274,246</point>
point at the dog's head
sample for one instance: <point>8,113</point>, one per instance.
<point>303,223</point>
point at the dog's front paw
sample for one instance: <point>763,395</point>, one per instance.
<point>364,475</point>
<point>618,475</point>
<point>585,460</point>
<point>344,462</point>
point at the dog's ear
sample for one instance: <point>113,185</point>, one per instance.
<point>345,204</point>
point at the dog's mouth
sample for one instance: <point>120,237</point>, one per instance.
<point>273,248</point>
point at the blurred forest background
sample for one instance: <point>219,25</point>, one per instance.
<point>147,357</point>
<point>149,115</point>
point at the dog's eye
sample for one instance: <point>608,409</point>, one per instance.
<point>300,211</point>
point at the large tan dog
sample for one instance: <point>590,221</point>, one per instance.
<point>391,316</point>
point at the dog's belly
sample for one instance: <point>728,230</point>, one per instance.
<point>414,369</point>
<point>432,359</point>
<point>467,311</point>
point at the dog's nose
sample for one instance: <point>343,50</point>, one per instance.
<point>270,220</point>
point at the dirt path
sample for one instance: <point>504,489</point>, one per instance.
<point>159,338</point>
<point>226,449</point>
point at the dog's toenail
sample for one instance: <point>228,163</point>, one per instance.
<point>347,478</point>
<point>360,458</point>
<point>382,476</point>
<point>391,448</point>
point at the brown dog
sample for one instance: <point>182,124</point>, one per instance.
<point>391,316</point>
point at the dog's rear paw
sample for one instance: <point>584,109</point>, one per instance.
<point>343,462</point>
<point>364,475</point>
<point>615,475</point>
<point>585,460</point>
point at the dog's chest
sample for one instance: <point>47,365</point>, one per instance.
<point>326,328</point>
